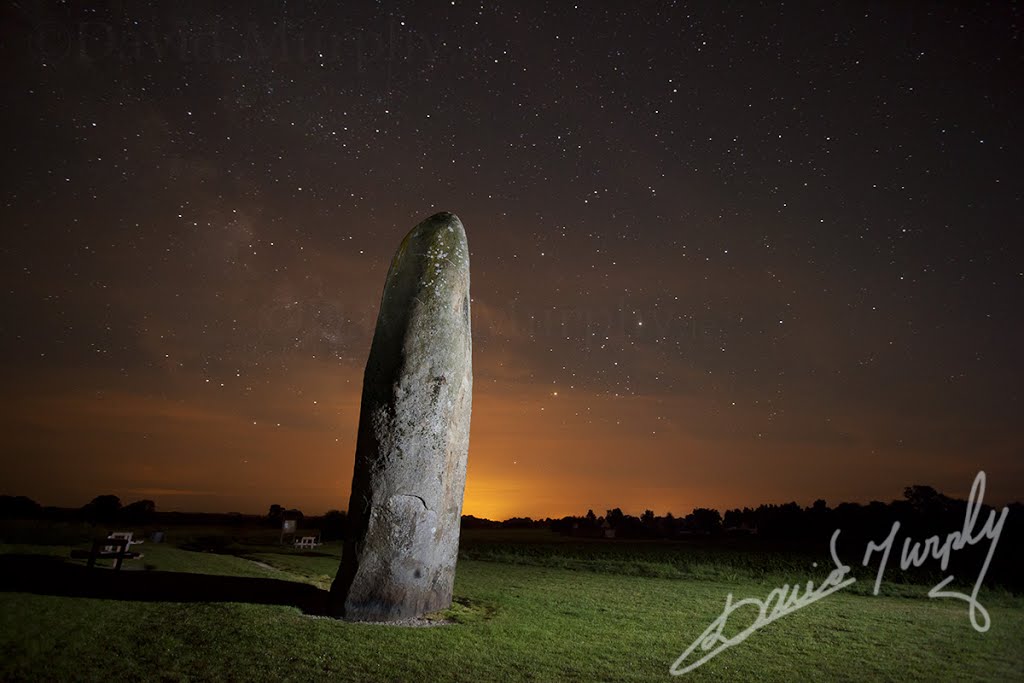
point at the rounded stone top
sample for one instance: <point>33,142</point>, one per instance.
<point>444,217</point>
<point>430,268</point>
<point>442,233</point>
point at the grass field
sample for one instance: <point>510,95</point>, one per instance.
<point>529,607</point>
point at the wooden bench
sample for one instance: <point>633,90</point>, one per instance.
<point>107,549</point>
<point>120,534</point>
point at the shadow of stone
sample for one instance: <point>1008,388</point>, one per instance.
<point>50,575</point>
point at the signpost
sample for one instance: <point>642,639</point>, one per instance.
<point>287,528</point>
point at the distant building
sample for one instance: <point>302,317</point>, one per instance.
<point>607,530</point>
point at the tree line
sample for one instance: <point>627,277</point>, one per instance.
<point>922,510</point>
<point>101,509</point>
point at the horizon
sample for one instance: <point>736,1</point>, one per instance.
<point>987,500</point>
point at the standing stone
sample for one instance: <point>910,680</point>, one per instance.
<point>410,469</point>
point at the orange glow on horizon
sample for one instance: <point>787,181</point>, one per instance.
<point>532,453</point>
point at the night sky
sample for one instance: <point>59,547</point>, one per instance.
<point>722,254</point>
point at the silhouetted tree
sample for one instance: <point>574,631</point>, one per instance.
<point>565,525</point>
<point>332,526</point>
<point>471,522</point>
<point>923,497</point>
<point>667,525</point>
<point>19,507</point>
<point>817,519</point>
<point>780,521</point>
<point>102,508</point>
<point>139,512</point>
<point>704,521</point>
<point>275,515</point>
<point>519,523</point>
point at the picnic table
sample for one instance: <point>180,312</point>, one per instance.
<point>113,548</point>
<point>307,542</point>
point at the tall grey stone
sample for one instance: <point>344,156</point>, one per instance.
<point>402,544</point>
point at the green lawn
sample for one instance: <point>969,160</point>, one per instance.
<point>515,621</point>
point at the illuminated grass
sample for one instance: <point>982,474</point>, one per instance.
<point>517,622</point>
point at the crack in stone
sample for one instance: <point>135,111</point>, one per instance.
<point>419,498</point>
